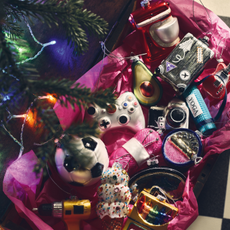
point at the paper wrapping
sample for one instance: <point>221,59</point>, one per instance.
<point>23,187</point>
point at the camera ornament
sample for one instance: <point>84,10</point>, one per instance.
<point>174,116</point>
<point>114,196</point>
<point>143,148</point>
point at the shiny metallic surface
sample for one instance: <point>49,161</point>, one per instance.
<point>57,209</point>
<point>168,32</point>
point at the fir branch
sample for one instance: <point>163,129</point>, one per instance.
<point>68,14</point>
<point>11,77</point>
<point>91,21</point>
<point>77,95</point>
<point>14,30</point>
<point>20,50</point>
<point>50,121</point>
<point>6,58</point>
<point>73,148</point>
<point>45,153</point>
<point>8,67</point>
<point>2,11</point>
<point>20,84</point>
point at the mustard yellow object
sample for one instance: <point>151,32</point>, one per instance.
<point>74,211</point>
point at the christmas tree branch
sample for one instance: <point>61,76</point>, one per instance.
<point>77,95</point>
<point>14,30</point>
<point>46,152</point>
<point>84,129</point>
<point>69,14</point>
<point>20,86</point>
<point>7,62</point>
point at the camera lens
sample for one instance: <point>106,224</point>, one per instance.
<point>176,117</point>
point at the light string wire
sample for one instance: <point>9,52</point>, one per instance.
<point>43,143</point>
<point>166,195</point>
<point>20,143</point>
<point>47,168</point>
<point>220,59</point>
<point>11,134</point>
<point>104,53</point>
<point>24,121</point>
<point>42,44</point>
<point>22,130</point>
<point>193,10</point>
<point>37,54</point>
<point>108,53</point>
<point>40,97</point>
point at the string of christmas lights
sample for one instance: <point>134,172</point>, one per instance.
<point>42,44</point>
<point>28,116</point>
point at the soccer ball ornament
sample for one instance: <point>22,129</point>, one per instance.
<point>89,171</point>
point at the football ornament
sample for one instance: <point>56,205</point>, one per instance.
<point>85,173</point>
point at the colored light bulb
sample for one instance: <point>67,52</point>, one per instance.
<point>51,99</point>
<point>31,118</point>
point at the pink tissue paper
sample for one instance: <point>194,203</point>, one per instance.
<point>23,187</point>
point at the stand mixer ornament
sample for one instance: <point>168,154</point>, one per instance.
<point>159,29</point>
